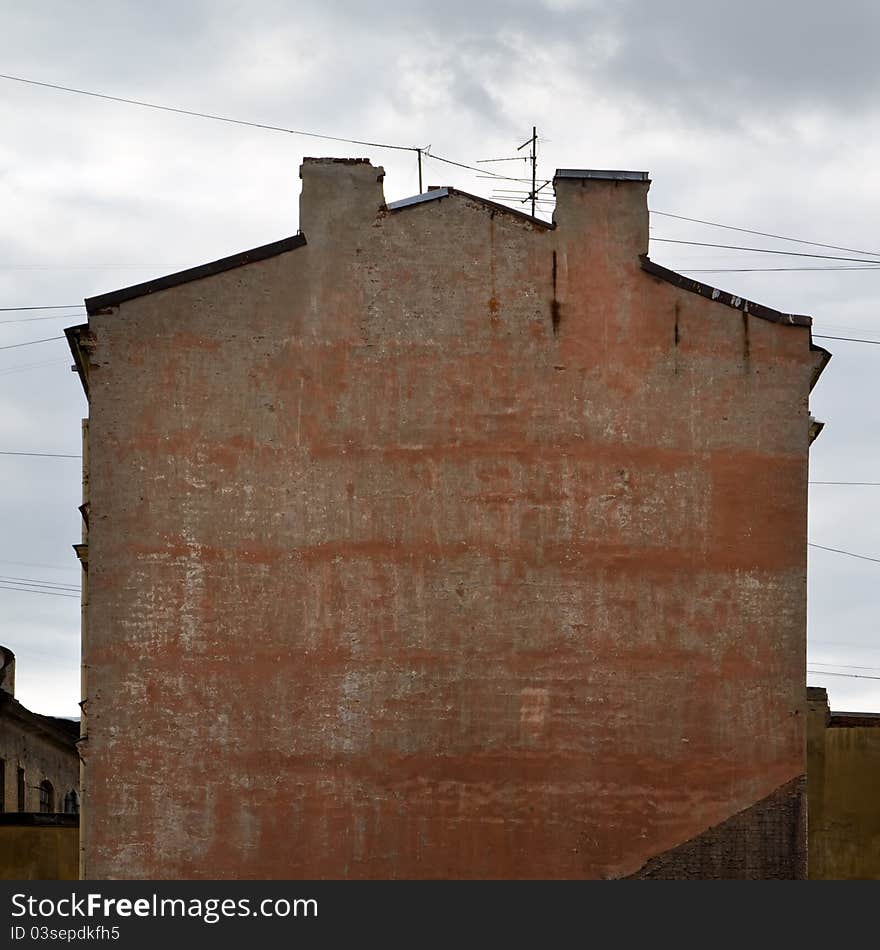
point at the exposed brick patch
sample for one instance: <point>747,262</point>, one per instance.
<point>766,841</point>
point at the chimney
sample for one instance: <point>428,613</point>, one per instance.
<point>606,212</point>
<point>339,196</point>
<point>7,671</point>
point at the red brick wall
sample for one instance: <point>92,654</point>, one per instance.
<point>390,577</point>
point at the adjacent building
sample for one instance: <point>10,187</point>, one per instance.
<point>843,771</point>
<point>39,788</point>
<point>39,765</point>
<point>440,541</point>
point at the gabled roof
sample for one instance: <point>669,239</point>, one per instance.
<point>739,303</point>
<point>115,297</point>
<point>722,296</point>
<point>437,194</point>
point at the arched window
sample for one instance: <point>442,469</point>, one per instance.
<point>47,797</point>
<point>71,803</point>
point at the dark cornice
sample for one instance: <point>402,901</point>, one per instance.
<point>115,297</point>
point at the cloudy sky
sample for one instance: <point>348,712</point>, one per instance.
<point>756,115</point>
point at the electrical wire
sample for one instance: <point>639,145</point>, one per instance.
<point>876,484</point>
<point>764,270</point>
<point>764,250</point>
<point>482,171</point>
<point>24,367</point>
<point>845,339</point>
<point>847,666</point>
<point>54,306</point>
<point>778,237</point>
<point>55,316</point>
<point>862,557</point>
<point>48,339</point>
<point>28,590</point>
<point>45,455</point>
<point>49,567</point>
<point>32,582</point>
<point>855,676</point>
<point>256,125</point>
<point>208,115</point>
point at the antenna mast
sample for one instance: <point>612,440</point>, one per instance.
<point>512,195</point>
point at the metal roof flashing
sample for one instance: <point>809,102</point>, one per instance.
<point>602,174</point>
<point>435,194</point>
<point>431,195</point>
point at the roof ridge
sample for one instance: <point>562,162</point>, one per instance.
<point>436,194</point>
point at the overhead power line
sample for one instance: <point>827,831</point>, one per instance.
<point>845,339</point>
<point>778,237</point>
<point>49,567</point>
<point>29,590</point>
<point>45,455</point>
<point>54,316</point>
<point>33,582</point>
<point>54,306</point>
<point>421,151</point>
<point>847,666</point>
<point>13,346</point>
<point>208,115</point>
<point>764,250</point>
<point>766,270</point>
<point>862,557</point>
<point>855,676</point>
<point>483,172</point>
<point>24,367</point>
<point>846,483</point>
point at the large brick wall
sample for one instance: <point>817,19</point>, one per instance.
<point>446,545</point>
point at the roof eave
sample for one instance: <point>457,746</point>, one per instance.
<point>103,302</point>
<point>80,358</point>
<point>723,296</point>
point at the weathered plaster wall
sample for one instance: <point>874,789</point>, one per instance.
<point>447,545</point>
<point>42,849</point>
<point>843,768</point>
<point>41,760</point>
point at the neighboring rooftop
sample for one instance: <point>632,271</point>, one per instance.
<point>65,731</point>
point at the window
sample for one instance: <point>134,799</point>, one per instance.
<point>71,803</point>
<point>21,801</point>
<point>47,797</point>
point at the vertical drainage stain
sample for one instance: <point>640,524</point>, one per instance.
<point>676,338</point>
<point>746,342</point>
<point>493,299</point>
<point>555,311</point>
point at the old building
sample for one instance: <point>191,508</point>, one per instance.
<point>39,788</point>
<point>843,773</point>
<point>39,764</point>
<point>442,541</point>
